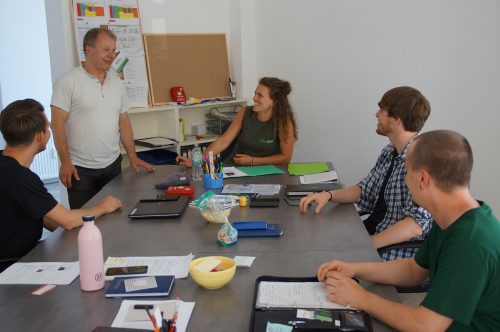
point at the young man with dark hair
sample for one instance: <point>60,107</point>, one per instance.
<point>461,255</point>
<point>89,118</point>
<point>25,205</point>
<point>393,218</point>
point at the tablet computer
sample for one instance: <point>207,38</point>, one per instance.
<point>159,208</point>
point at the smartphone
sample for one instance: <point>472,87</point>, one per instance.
<point>264,202</point>
<point>125,270</point>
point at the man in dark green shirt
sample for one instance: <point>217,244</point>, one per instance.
<point>461,255</point>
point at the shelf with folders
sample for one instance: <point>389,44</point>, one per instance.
<point>163,121</point>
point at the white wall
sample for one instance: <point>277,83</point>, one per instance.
<point>24,57</point>
<point>341,56</point>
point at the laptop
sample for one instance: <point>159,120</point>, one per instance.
<point>301,190</point>
<point>147,209</point>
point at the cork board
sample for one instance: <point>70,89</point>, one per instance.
<point>197,62</point>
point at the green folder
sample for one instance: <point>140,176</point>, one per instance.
<point>307,168</point>
<point>260,170</point>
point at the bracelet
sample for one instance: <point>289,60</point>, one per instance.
<point>331,196</point>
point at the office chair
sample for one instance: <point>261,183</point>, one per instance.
<point>415,244</point>
<point>229,150</point>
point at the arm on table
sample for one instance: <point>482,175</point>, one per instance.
<point>69,219</point>
<point>345,195</point>
<point>404,230</point>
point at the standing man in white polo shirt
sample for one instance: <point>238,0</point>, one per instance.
<point>89,118</point>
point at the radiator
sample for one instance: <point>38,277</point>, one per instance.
<point>46,164</point>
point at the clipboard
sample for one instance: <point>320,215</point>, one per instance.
<point>342,319</point>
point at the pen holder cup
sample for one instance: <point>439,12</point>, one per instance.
<point>213,183</point>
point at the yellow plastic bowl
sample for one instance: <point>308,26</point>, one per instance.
<point>213,280</point>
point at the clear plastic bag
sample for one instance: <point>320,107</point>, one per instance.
<point>227,235</point>
<point>213,208</point>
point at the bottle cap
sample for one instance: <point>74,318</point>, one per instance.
<point>88,218</point>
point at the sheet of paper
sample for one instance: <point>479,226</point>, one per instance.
<point>319,177</point>
<point>260,170</point>
<point>275,327</point>
<point>137,284</point>
<point>177,266</point>
<point>185,311</point>
<point>233,172</point>
<point>307,168</point>
<point>294,295</point>
<point>262,189</point>
<point>40,273</point>
<point>208,264</point>
<point>243,261</point>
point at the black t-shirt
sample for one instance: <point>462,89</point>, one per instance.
<point>24,201</point>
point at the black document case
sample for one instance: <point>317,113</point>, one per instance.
<point>301,190</point>
<point>348,317</point>
<point>159,209</point>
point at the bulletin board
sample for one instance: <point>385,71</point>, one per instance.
<point>196,62</point>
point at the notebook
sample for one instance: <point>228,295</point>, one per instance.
<point>140,286</point>
<point>159,209</point>
<point>307,189</point>
<point>272,230</point>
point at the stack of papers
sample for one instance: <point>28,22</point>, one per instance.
<point>319,177</point>
<point>154,142</point>
<point>40,273</point>
<point>177,266</point>
<point>131,318</point>
<point>261,189</point>
<point>294,295</point>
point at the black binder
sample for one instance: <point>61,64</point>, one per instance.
<point>350,319</point>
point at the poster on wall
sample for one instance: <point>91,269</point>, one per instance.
<point>122,17</point>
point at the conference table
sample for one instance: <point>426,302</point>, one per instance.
<point>308,240</point>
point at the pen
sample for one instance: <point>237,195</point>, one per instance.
<point>152,319</point>
<point>174,318</point>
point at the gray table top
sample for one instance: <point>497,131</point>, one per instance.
<point>308,240</point>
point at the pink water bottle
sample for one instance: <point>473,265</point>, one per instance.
<point>90,255</point>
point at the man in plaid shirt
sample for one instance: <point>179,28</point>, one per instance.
<point>383,193</point>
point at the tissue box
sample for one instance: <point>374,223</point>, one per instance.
<point>199,129</point>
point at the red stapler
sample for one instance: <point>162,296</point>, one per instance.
<point>181,190</point>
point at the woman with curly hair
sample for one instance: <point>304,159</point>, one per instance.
<point>265,132</point>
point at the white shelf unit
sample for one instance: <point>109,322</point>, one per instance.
<point>164,121</point>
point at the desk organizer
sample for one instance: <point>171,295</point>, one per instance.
<point>213,183</point>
